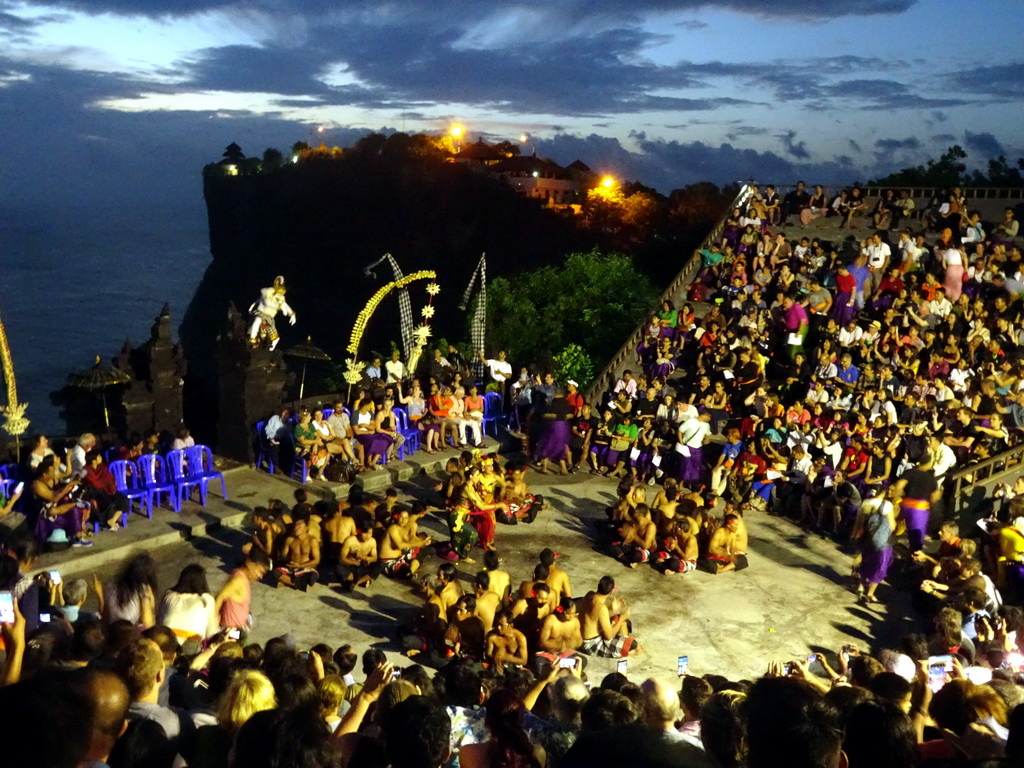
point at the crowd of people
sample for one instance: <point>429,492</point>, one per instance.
<point>63,497</point>
<point>839,384</point>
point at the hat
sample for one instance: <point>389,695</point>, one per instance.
<point>875,324</point>
<point>57,536</point>
<point>570,381</point>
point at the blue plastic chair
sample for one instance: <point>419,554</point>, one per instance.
<point>128,484</point>
<point>328,412</point>
<point>154,476</point>
<point>299,465</point>
<point>411,434</point>
<point>200,466</point>
<point>492,411</point>
<point>177,464</point>
<point>11,471</point>
<point>259,445</point>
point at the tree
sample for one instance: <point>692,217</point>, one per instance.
<point>272,159</point>
<point>947,171</point>
<point>507,148</point>
<point>573,363</point>
<point>594,300</point>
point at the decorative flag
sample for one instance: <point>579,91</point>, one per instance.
<point>404,304</point>
<point>478,324</point>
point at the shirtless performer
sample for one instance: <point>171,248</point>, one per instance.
<point>359,566</point>
<point>500,580</point>
<point>487,602</point>
<point>528,613</point>
<point>427,631</point>
<point>447,591</point>
<point>299,555</point>
<point>722,553</point>
<point>560,633</point>
<point>638,539</point>
<point>465,634</point>
<point>679,550</point>
<point>520,503</point>
<point>601,635</point>
<point>337,528</point>
<point>398,550</point>
<point>557,579</point>
<point>506,644</point>
<point>528,588</point>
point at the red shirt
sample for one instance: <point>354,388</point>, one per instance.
<point>101,479</point>
<point>846,283</point>
<point>576,401</point>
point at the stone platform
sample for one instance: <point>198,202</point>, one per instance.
<point>791,601</point>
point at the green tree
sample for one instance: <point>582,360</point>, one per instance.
<point>593,300</point>
<point>575,364</point>
<point>508,148</point>
<point>947,171</point>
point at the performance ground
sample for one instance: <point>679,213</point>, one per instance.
<point>792,601</point>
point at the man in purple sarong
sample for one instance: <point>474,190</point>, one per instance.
<point>874,531</point>
<point>556,433</point>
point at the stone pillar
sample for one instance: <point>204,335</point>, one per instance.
<point>251,382</point>
<point>154,398</point>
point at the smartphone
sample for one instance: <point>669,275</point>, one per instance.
<point>44,617</point>
<point>234,634</point>
<point>682,666</point>
<point>19,488</point>
<point>787,668</point>
<point>1014,661</point>
<point>55,577</point>
<point>936,676</point>
<point>621,667</point>
<point>567,663</point>
<point>6,607</point>
<point>396,674</point>
<point>978,675</point>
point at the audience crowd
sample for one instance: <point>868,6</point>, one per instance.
<point>840,384</point>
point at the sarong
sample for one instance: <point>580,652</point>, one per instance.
<point>616,648</point>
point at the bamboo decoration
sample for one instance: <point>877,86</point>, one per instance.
<point>15,423</point>
<point>353,372</point>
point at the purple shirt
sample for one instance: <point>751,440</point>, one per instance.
<point>796,316</point>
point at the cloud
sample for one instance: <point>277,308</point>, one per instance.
<point>797,149</point>
<point>854,146</point>
<point>890,145</point>
<point>1000,82</point>
<point>983,143</point>
<point>745,130</point>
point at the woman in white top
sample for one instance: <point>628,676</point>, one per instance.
<point>132,595</point>
<point>953,260</point>
<point>187,608</point>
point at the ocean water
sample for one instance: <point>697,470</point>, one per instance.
<point>77,282</point>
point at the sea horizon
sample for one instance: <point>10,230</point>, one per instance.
<point>83,278</point>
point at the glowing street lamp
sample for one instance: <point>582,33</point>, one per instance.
<point>608,182</point>
<point>456,132</point>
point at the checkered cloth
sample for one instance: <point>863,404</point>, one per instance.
<point>404,304</point>
<point>478,325</point>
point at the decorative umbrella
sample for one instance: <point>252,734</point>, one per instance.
<point>307,350</point>
<point>100,377</point>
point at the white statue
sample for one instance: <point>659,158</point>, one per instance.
<point>264,311</point>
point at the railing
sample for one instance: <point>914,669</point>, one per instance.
<point>1010,460</point>
<point>681,281</point>
<point>918,193</point>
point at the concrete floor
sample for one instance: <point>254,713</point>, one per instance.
<point>789,603</point>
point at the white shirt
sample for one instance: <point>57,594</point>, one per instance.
<point>500,369</point>
<point>77,458</point>
<point>395,369</point>
<point>693,431</point>
<point>848,337</point>
<point>941,307</point>
<point>877,254</point>
<point>943,460</point>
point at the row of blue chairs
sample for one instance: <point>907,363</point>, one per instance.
<point>151,476</point>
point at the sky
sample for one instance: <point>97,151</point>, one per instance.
<point>106,102</point>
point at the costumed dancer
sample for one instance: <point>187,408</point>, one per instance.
<point>265,309</point>
<point>555,434</point>
<point>481,513</point>
<point>462,533</point>
<point>519,502</point>
<point>874,530</point>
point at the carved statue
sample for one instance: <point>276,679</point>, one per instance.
<point>264,311</point>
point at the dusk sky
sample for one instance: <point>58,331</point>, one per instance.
<point>122,100</point>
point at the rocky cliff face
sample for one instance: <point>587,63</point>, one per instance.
<point>321,221</point>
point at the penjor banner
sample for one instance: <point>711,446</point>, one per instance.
<point>404,304</point>
<point>478,323</point>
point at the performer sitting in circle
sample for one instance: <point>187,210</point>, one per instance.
<point>522,505</point>
<point>399,548</point>
<point>604,623</point>
<point>265,309</point>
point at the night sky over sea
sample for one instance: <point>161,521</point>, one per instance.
<point>121,99</point>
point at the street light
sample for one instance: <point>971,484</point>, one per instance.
<point>456,131</point>
<point>608,182</point>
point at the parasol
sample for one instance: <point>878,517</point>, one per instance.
<point>99,377</point>
<point>307,350</point>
